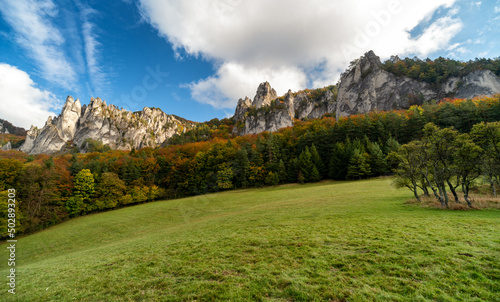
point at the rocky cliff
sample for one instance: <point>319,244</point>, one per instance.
<point>118,128</point>
<point>267,112</point>
<point>365,86</point>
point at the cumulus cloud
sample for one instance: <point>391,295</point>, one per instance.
<point>232,79</point>
<point>292,43</point>
<point>32,105</point>
<point>42,40</point>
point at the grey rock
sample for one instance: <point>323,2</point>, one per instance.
<point>242,108</point>
<point>477,83</point>
<point>254,117</point>
<point>6,147</point>
<point>366,87</point>
<point>118,128</point>
<point>265,94</point>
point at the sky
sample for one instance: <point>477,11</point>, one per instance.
<point>195,59</point>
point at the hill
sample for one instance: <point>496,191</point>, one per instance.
<point>310,242</point>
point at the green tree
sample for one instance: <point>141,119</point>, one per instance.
<point>282,175</point>
<point>109,190</point>
<point>306,164</point>
<point>224,177</point>
<point>338,162</point>
<point>467,159</point>
<point>84,188</point>
<point>409,171</point>
<point>378,162</point>
<point>487,136</point>
<point>358,165</point>
<point>316,159</point>
<point>441,144</point>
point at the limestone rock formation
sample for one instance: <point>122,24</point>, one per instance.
<point>6,147</point>
<point>118,128</point>
<point>265,94</point>
<point>477,83</point>
<point>367,87</point>
<point>31,135</point>
<point>270,113</point>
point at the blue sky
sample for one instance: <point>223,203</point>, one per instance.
<point>195,59</point>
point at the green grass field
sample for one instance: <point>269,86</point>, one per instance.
<point>337,241</point>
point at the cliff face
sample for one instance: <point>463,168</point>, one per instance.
<point>364,87</point>
<point>118,128</point>
<point>367,87</point>
<point>267,112</point>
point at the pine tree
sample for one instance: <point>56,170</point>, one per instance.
<point>378,163</point>
<point>316,159</point>
<point>306,164</point>
<point>315,177</point>
<point>338,162</point>
<point>281,172</point>
<point>358,165</point>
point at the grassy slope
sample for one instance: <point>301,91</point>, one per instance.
<point>332,241</point>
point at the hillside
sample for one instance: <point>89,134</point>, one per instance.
<point>311,242</point>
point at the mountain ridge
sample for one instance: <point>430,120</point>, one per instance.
<point>367,85</point>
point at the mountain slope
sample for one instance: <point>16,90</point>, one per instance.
<point>297,242</point>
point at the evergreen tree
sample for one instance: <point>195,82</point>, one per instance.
<point>338,162</point>
<point>282,175</point>
<point>306,164</point>
<point>315,177</point>
<point>358,165</point>
<point>378,163</point>
<point>316,159</point>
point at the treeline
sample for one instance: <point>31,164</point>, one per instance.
<point>436,72</point>
<point>53,189</point>
<point>446,160</point>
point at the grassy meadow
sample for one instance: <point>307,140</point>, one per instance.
<point>331,241</point>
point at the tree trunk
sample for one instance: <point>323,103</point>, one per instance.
<point>434,191</point>
<point>493,189</point>
<point>426,192</point>
<point>465,188</point>
<point>452,189</point>
<point>415,192</point>
<point>443,195</point>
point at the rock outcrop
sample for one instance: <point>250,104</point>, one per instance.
<point>257,116</point>
<point>267,112</point>
<point>367,87</point>
<point>118,128</point>
<point>364,87</point>
<point>6,147</point>
<point>477,83</point>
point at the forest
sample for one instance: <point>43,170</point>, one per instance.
<point>52,189</point>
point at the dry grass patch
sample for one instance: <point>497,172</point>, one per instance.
<point>479,202</point>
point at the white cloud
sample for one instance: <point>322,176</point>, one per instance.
<point>232,79</point>
<point>497,9</point>
<point>96,74</point>
<point>31,104</point>
<point>292,43</point>
<point>35,33</point>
